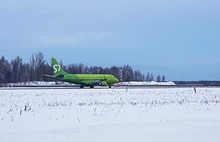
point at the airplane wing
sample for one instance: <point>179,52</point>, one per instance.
<point>93,82</point>
<point>98,81</point>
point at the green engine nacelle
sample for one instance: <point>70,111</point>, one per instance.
<point>103,83</point>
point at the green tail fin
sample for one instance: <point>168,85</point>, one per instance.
<point>57,68</point>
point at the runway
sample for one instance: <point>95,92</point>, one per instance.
<point>99,87</point>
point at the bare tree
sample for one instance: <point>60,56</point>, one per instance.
<point>163,79</point>
<point>40,65</point>
<point>16,69</point>
<point>158,78</point>
<point>151,77</point>
<point>148,77</point>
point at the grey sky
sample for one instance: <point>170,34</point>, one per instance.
<point>180,39</point>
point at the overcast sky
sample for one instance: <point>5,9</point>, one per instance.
<point>176,38</point>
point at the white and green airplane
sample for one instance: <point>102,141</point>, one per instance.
<point>90,80</point>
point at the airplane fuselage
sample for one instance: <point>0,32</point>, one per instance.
<point>83,79</point>
<point>86,79</point>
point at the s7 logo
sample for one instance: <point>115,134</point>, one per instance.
<point>56,68</point>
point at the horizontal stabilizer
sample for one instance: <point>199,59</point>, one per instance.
<point>50,76</point>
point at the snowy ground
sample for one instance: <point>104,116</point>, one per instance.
<point>109,115</point>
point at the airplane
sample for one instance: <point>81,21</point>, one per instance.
<point>90,80</point>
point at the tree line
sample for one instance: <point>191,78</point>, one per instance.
<point>18,71</point>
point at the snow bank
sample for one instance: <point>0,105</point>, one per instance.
<point>38,83</point>
<point>135,83</point>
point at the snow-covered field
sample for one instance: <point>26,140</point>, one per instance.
<point>109,115</point>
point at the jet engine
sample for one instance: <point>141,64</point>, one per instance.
<point>103,83</point>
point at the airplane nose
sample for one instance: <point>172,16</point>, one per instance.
<point>117,81</point>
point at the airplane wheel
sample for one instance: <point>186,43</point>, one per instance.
<point>92,86</point>
<point>81,86</point>
<point>110,86</point>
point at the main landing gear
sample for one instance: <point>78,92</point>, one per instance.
<point>92,86</point>
<point>82,86</point>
